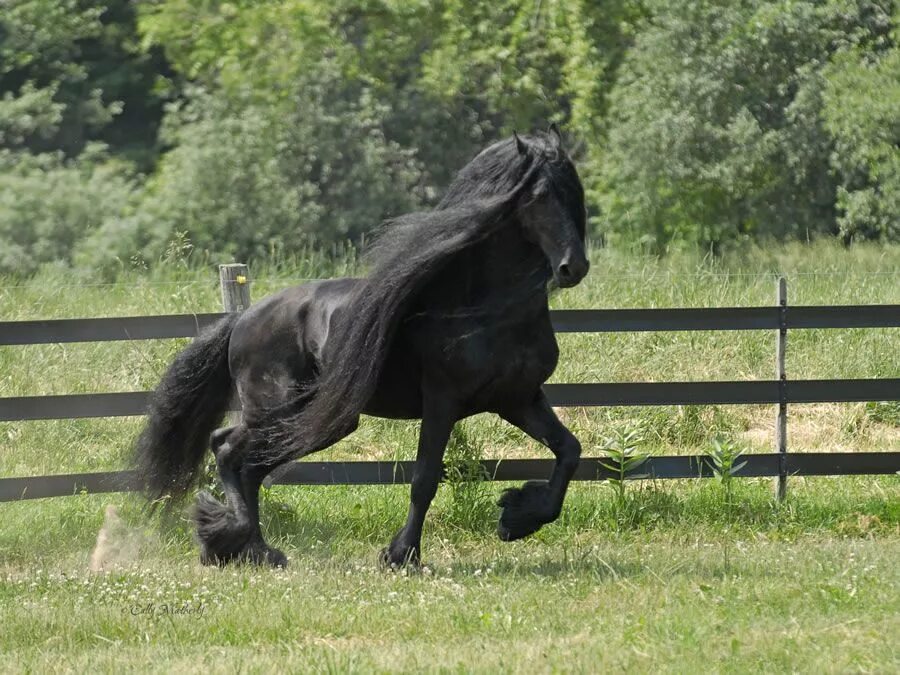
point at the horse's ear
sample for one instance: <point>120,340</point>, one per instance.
<point>520,144</point>
<point>553,132</point>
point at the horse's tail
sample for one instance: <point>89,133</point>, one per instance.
<point>186,407</point>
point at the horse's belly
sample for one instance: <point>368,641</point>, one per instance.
<point>398,403</point>
<point>493,372</point>
<point>398,394</point>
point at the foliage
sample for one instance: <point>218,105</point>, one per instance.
<point>723,461</point>
<point>244,179</point>
<point>260,127</point>
<point>471,497</point>
<point>78,118</point>
<point>72,72</point>
<point>862,97</point>
<point>622,456</point>
<point>50,206</point>
<point>716,129</point>
<point>886,412</point>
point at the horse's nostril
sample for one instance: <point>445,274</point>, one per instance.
<point>564,271</point>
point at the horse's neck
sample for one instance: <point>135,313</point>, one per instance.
<point>504,272</point>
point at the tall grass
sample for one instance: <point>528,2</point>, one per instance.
<point>822,273</point>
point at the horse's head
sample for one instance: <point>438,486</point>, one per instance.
<point>551,209</point>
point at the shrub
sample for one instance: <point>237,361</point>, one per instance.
<point>246,178</point>
<point>49,204</point>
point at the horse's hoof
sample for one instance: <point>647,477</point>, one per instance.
<point>525,510</point>
<point>276,558</point>
<point>395,557</point>
<point>257,553</point>
<point>207,558</point>
<point>261,554</point>
<point>212,560</point>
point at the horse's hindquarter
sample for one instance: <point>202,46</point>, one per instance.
<point>277,344</point>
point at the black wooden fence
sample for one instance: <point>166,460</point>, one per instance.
<point>781,391</point>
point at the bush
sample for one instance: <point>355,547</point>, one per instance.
<point>716,129</point>
<point>245,178</point>
<point>49,204</point>
<point>862,97</point>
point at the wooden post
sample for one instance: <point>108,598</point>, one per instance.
<point>781,419</point>
<point>235,282</point>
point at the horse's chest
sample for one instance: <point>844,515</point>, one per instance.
<point>517,371</point>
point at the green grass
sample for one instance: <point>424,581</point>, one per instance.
<point>617,606</point>
<point>673,576</point>
<point>823,274</point>
<point>810,585</point>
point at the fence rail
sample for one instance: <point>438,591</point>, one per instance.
<point>395,473</point>
<point>104,329</point>
<point>131,403</point>
<point>782,392</point>
<point>564,321</point>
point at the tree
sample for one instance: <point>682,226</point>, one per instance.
<point>862,100</point>
<point>77,110</point>
<point>72,72</point>
<point>452,76</point>
<point>244,178</point>
<point>50,204</point>
<point>716,128</point>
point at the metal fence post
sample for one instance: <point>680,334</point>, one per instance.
<point>235,282</point>
<point>781,419</point>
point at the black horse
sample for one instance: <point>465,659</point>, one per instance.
<point>452,321</point>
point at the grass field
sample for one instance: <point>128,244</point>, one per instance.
<point>677,576</point>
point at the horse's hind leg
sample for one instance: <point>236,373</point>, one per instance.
<point>222,529</point>
<point>257,550</point>
<point>231,532</point>
<point>536,503</point>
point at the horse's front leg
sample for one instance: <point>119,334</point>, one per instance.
<point>536,503</point>
<point>438,418</point>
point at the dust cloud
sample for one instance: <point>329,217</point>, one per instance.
<point>117,545</point>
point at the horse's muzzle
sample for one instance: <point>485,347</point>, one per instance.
<point>571,271</point>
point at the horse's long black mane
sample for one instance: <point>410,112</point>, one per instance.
<point>410,251</point>
<point>498,168</point>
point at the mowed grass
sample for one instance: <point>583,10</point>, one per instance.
<point>808,586</point>
<point>675,578</point>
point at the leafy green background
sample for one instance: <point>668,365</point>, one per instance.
<point>252,128</point>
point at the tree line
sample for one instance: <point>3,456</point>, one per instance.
<point>250,128</point>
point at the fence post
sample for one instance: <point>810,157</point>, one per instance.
<point>235,282</point>
<point>781,419</point>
